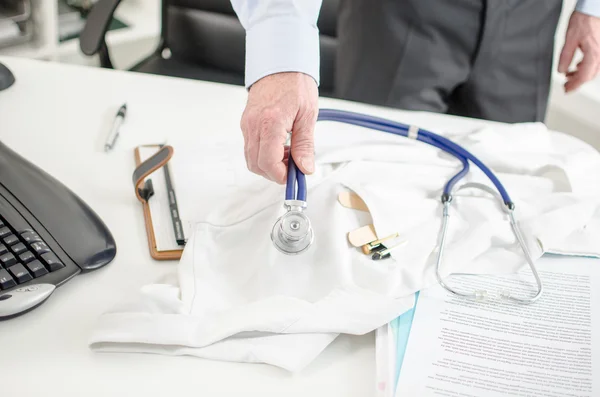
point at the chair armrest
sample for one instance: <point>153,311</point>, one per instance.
<point>92,38</point>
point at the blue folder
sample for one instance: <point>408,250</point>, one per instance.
<point>401,328</point>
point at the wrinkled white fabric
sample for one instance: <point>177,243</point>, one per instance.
<point>236,298</point>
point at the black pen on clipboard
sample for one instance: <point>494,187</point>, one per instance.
<point>173,208</point>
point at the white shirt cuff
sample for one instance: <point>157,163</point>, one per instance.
<point>589,7</point>
<point>282,44</point>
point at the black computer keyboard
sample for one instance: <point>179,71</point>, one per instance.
<point>48,235</point>
<point>28,253</point>
<point>24,256</point>
<point>32,262</point>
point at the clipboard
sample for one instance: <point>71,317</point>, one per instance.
<point>144,191</point>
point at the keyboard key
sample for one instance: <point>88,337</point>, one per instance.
<point>10,240</point>
<point>18,248</point>
<point>6,280</point>
<point>30,237</point>
<point>36,268</point>
<point>3,249</point>
<point>20,273</point>
<point>26,257</point>
<point>4,231</point>
<point>52,261</point>
<point>8,260</point>
<point>40,247</point>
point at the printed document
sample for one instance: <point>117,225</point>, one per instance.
<point>551,348</point>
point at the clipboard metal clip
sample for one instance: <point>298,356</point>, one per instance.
<point>148,190</point>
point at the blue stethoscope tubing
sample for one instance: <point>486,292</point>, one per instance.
<point>295,176</point>
<point>296,184</point>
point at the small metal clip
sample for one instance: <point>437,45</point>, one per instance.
<point>386,253</point>
<point>369,247</point>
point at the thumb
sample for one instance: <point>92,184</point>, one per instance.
<point>303,145</point>
<point>567,54</point>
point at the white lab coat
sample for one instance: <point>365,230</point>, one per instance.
<point>234,297</point>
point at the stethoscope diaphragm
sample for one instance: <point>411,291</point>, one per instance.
<point>292,233</point>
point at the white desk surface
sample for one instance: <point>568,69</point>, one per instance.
<point>56,116</point>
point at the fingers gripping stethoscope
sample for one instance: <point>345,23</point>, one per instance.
<point>292,233</point>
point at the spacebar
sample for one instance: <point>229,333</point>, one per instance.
<point>12,216</point>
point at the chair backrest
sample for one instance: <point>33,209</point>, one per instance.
<point>208,32</point>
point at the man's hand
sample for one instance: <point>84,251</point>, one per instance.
<point>583,33</point>
<point>278,104</point>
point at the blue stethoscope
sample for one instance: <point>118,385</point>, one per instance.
<point>292,233</point>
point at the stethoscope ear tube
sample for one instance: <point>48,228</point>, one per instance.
<point>412,132</point>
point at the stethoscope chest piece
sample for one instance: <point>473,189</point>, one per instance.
<point>292,233</point>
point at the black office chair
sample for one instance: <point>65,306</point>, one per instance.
<point>203,40</point>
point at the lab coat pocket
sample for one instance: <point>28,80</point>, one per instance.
<point>396,210</point>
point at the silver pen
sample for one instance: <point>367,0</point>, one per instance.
<point>114,133</point>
